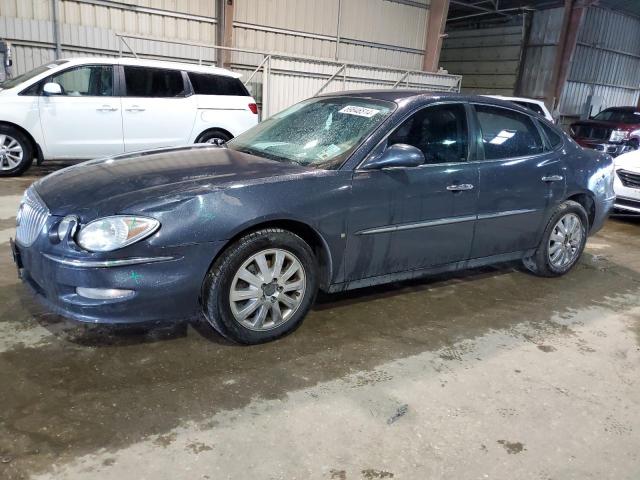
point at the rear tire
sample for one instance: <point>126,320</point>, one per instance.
<point>214,136</point>
<point>261,287</point>
<point>562,243</point>
<point>16,151</point>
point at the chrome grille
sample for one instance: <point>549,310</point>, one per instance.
<point>629,179</point>
<point>31,218</point>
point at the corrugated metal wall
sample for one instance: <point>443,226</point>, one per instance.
<point>488,58</point>
<point>88,27</point>
<point>381,32</point>
<point>606,63</point>
<point>293,80</point>
<point>310,34</point>
<point>540,52</point>
<point>605,66</point>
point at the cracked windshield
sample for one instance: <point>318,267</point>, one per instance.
<point>319,132</point>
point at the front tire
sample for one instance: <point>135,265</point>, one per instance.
<point>16,151</point>
<point>562,243</point>
<point>261,287</point>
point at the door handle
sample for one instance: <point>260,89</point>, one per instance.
<point>459,187</point>
<point>553,178</point>
<point>107,108</point>
<point>135,108</point>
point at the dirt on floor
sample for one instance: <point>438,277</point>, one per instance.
<point>489,373</point>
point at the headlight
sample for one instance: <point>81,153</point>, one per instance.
<point>110,233</point>
<point>618,135</point>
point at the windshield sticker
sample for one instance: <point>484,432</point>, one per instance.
<point>359,111</point>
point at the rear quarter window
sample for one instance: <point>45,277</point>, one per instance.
<point>209,84</point>
<point>554,138</point>
<point>534,107</point>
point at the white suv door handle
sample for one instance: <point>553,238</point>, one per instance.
<point>553,178</point>
<point>460,187</point>
<point>135,108</point>
<point>106,108</point>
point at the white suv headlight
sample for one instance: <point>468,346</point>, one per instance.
<point>110,233</point>
<point>618,135</point>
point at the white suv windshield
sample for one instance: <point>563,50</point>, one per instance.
<point>14,82</point>
<point>318,132</point>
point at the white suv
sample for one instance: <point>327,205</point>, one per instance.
<point>90,107</point>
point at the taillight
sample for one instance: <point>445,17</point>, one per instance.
<point>254,108</point>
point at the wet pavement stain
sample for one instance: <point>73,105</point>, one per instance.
<point>512,448</point>
<point>94,378</point>
<point>371,473</point>
<point>198,447</point>
<point>400,412</point>
<point>338,475</point>
<point>547,348</point>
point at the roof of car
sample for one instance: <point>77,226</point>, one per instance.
<point>397,95</point>
<point>143,62</point>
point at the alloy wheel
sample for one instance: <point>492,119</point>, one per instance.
<point>11,153</point>
<point>565,240</point>
<point>267,289</point>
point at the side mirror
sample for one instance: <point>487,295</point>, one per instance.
<point>399,155</point>
<point>52,88</point>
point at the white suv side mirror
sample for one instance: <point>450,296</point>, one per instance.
<point>52,88</point>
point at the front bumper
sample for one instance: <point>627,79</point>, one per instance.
<point>627,198</point>
<point>602,211</point>
<point>164,291</point>
<point>629,205</point>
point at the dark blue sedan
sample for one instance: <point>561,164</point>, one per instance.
<point>337,192</point>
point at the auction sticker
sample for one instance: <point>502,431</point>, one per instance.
<point>359,111</point>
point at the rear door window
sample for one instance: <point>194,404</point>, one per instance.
<point>153,82</point>
<point>209,84</point>
<point>507,133</point>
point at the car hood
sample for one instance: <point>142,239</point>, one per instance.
<point>629,161</point>
<point>109,186</point>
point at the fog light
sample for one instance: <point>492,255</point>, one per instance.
<point>103,293</point>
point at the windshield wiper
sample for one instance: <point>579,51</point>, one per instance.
<point>261,153</point>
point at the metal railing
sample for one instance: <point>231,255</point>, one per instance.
<point>280,80</point>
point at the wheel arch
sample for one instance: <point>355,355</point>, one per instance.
<point>37,150</point>
<point>214,129</point>
<point>587,200</point>
<point>309,234</point>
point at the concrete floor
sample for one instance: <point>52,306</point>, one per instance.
<point>491,373</point>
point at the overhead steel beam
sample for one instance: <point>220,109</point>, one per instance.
<point>475,6</point>
<point>436,22</point>
<point>501,11</point>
